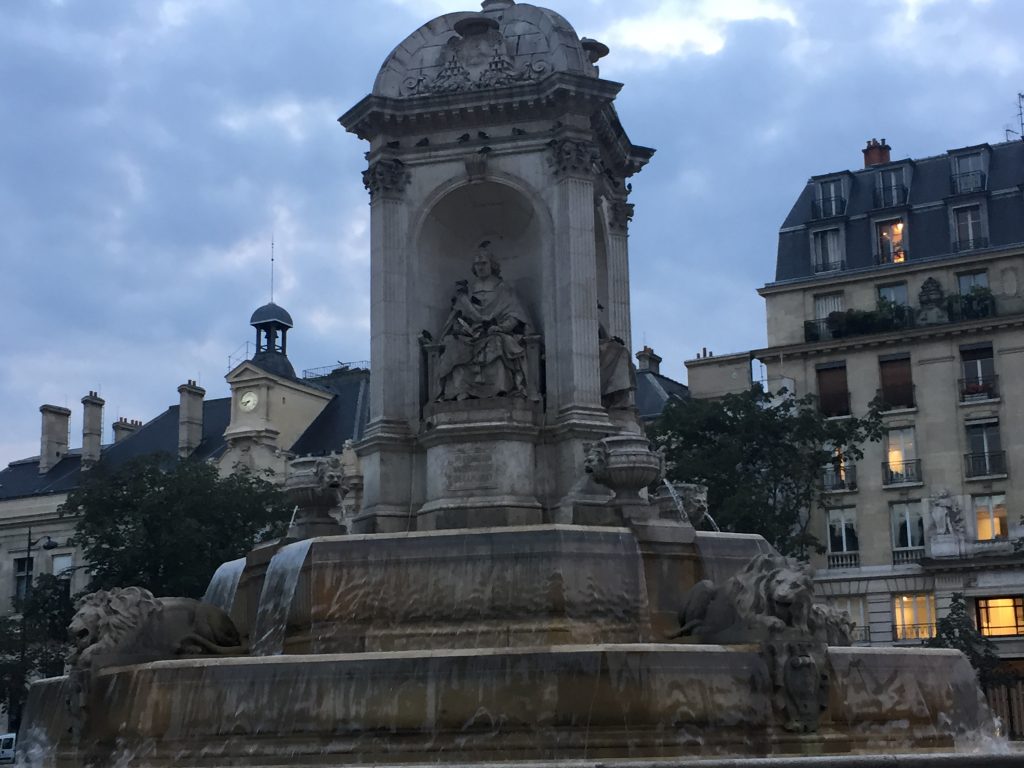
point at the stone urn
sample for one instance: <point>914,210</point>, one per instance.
<point>625,464</point>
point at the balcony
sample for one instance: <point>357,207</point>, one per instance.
<point>861,634</point>
<point>920,632</point>
<point>969,181</point>
<point>833,404</point>
<point>907,555</point>
<point>839,479</point>
<point>896,255</point>
<point>979,388</point>
<point>825,265</point>
<point>976,305</point>
<point>896,398</point>
<point>844,559</point>
<point>970,244</point>
<point>828,207</point>
<point>901,472</point>
<point>890,196</point>
<point>985,464</point>
<point>859,322</point>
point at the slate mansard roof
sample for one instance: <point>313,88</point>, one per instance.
<point>930,194</point>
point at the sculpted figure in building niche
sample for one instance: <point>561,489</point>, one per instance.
<point>484,354</point>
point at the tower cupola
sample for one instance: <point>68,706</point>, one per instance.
<point>272,323</point>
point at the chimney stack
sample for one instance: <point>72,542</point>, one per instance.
<point>92,429</point>
<point>190,418</point>
<point>124,427</point>
<point>54,442</point>
<point>876,153</point>
<point>648,360</point>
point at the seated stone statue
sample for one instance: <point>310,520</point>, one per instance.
<point>483,354</point>
<point>618,376</point>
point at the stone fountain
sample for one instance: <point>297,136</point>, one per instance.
<point>506,589</point>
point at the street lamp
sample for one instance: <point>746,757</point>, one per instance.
<point>46,543</point>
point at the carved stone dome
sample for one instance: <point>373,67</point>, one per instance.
<point>271,313</point>
<point>505,44</point>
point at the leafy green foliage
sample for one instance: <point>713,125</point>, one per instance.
<point>33,640</point>
<point>956,630</point>
<point>762,458</point>
<point>166,526</point>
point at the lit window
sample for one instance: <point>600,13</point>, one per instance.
<point>907,525</point>
<point>913,617</point>
<point>856,606</point>
<point>1001,616</point>
<point>842,530</point>
<point>896,293</point>
<point>990,513</point>
<point>901,464</point>
<point>827,255</point>
<point>890,242</point>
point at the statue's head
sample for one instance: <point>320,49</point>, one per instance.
<point>484,264</point>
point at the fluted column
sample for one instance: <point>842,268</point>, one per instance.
<point>619,213</point>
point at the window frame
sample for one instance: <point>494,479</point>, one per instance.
<point>894,254</point>
<point>892,194</point>
<point>992,515</point>
<point>900,284</point>
<point>836,261</point>
<point>981,609</point>
<point>848,526</point>
<point>921,605</point>
<point>24,572</point>
<point>911,512</point>
<point>836,202</point>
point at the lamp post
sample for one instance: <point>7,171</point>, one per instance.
<point>47,543</point>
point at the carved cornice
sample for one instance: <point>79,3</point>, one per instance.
<point>573,157</point>
<point>386,177</point>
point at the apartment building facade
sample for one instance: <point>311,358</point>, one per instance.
<point>904,281</point>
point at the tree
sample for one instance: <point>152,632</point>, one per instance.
<point>956,630</point>
<point>33,640</point>
<point>167,524</point>
<point>762,458</point>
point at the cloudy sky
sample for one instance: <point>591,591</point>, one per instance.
<point>151,149</point>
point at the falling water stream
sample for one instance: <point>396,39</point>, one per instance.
<point>224,584</point>
<point>276,598</point>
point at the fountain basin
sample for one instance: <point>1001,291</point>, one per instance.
<point>556,703</point>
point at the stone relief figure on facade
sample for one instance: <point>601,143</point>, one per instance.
<point>947,517</point>
<point>484,354</point>
<point>618,376</point>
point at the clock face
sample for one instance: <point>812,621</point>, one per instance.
<point>248,401</point>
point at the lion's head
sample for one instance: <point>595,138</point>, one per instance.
<point>773,587</point>
<point>329,472</point>
<point>595,462</point>
<point>106,620</point>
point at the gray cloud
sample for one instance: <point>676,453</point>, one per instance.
<point>152,149</point>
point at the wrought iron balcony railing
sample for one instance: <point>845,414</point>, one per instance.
<point>979,388</point>
<point>900,472</point>
<point>894,398</point>
<point>887,197</point>
<point>834,404</point>
<point>842,478</point>
<point>968,181</point>
<point>970,244</point>
<point>985,464</point>
<point>826,265</point>
<point>827,207</point>
<point>895,255</point>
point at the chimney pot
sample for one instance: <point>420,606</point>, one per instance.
<point>92,429</point>
<point>123,428</point>
<point>190,418</point>
<point>53,442</point>
<point>648,360</point>
<point>876,153</point>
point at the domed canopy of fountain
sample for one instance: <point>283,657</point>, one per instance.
<point>508,43</point>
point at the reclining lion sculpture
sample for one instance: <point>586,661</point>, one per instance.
<point>129,626</point>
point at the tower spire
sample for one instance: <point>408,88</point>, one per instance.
<point>271,266</point>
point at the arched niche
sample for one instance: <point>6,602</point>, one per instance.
<point>452,229</point>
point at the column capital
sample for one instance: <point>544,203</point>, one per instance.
<point>573,157</point>
<point>386,177</point>
<point>620,213</point>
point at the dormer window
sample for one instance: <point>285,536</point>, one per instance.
<point>968,173</point>
<point>889,242</point>
<point>891,189</point>
<point>968,229</point>
<point>830,200</point>
<point>827,250</point>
